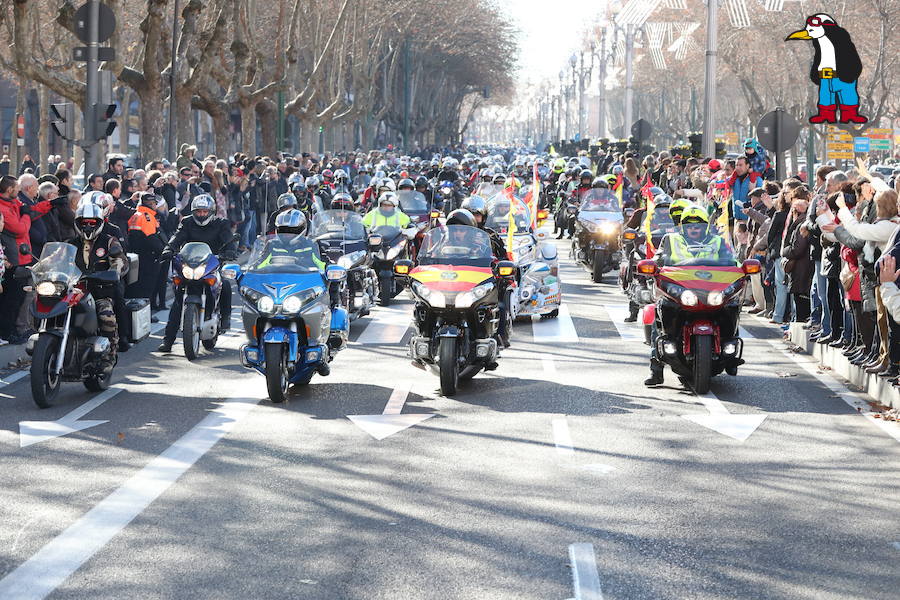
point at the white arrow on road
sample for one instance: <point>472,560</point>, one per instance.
<point>738,427</point>
<point>34,432</point>
<point>390,421</point>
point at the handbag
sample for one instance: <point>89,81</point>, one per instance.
<point>847,277</point>
<point>787,264</point>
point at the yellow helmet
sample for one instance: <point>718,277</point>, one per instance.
<point>677,207</point>
<point>693,214</point>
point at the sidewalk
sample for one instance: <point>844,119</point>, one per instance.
<point>13,354</point>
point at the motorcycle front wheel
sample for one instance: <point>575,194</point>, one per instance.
<point>277,375</point>
<point>702,348</point>
<point>44,385</point>
<point>385,292</point>
<point>210,344</point>
<point>191,334</point>
<point>449,366</point>
<point>598,263</point>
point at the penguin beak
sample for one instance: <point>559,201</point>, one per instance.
<point>799,35</point>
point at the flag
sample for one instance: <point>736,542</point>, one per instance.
<point>645,191</point>
<point>535,196</point>
<point>511,227</point>
<point>648,227</point>
<point>619,187</point>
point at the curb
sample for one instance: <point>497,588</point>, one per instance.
<point>872,385</point>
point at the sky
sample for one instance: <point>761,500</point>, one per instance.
<point>550,31</point>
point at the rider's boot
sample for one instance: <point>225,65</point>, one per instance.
<point>656,374</point>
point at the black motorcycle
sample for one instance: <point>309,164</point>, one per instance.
<point>598,226</point>
<point>342,239</point>
<point>457,292</point>
<point>389,244</point>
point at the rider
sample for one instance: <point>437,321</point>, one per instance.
<point>290,226</point>
<point>695,241</point>
<point>676,208</point>
<point>201,226</point>
<point>387,214</point>
<point>100,250</point>
<point>284,203</point>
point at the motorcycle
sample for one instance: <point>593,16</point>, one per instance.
<point>291,312</point>
<point>698,305</point>
<point>389,244</point>
<point>196,272</point>
<point>341,237</point>
<point>538,290</point>
<point>416,207</point>
<point>457,295</point>
<point>446,197</point>
<point>68,345</point>
<point>598,224</point>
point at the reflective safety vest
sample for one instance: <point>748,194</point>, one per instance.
<point>375,219</point>
<point>297,251</point>
<point>144,220</point>
<point>680,250</point>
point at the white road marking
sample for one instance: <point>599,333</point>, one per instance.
<point>390,421</point>
<point>628,331</point>
<point>560,330</point>
<point>549,365</point>
<point>41,574</point>
<point>585,578</point>
<point>12,378</point>
<point>738,427</point>
<point>33,432</point>
<point>562,438</point>
<point>386,326</point>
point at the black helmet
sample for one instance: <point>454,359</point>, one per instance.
<point>286,200</point>
<point>203,202</point>
<point>476,205</point>
<point>586,174</point>
<point>406,184</point>
<point>421,181</point>
<point>291,221</point>
<point>461,216</point>
<point>89,220</point>
<point>342,201</point>
<point>599,183</point>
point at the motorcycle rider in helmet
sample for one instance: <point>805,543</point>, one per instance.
<point>405,184</point>
<point>290,227</point>
<point>341,181</point>
<point>100,250</point>
<point>477,206</point>
<point>695,240</point>
<point>424,188</point>
<point>661,203</point>
<point>585,182</point>
<point>676,208</point>
<point>284,203</point>
<point>387,214</point>
<point>201,226</point>
<point>301,193</point>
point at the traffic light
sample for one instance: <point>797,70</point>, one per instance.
<point>696,140</point>
<point>106,125</point>
<point>720,150</point>
<point>63,122</point>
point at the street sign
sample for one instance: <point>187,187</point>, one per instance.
<point>777,141</point>
<point>106,25</point>
<point>63,122</point>
<point>879,145</point>
<point>104,54</point>
<point>731,138</point>
<point>641,130</point>
<point>860,144</point>
<point>840,155</point>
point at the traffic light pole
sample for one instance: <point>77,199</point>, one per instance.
<point>709,92</point>
<point>91,96</point>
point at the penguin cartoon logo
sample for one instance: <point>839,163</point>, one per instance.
<point>835,69</point>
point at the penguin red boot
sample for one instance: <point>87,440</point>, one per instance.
<point>827,114</point>
<point>849,115</point>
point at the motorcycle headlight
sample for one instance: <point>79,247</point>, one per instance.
<point>375,240</point>
<point>688,298</point>
<point>348,260</point>
<point>265,304</point>
<point>467,299</point>
<point>49,288</point>
<point>434,298</point>
<point>715,298</point>
<point>195,273</point>
<point>293,304</point>
<point>608,228</point>
<point>590,226</point>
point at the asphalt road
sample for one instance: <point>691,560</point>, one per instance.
<point>195,486</point>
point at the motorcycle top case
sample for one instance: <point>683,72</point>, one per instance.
<point>139,309</point>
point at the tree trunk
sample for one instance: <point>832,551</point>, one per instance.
<point>248,129</point>
<point>44,130</point>
<point>184,130</point>
<point>268,117</point>
<point>125,125</point>
<point>307,143</point>
<point>15,157</point>
<point>152,126</point>
<point>221,134</point>
<point>77,152</point>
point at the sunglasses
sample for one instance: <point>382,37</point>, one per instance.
<point>817,22</point>
<point>89,222</point>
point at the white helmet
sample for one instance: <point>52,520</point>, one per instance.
<point>388,198</point>
<point>203,202</point>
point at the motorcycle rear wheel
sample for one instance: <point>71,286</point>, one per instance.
<point>191,333</point>
<point>597,266</point>
<point>44,385</point>
<point>277,376</point>
<point>449,366</point>
<point>702,348</point>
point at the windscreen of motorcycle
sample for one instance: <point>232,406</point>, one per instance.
<point>194,254</point>
<point>412,203</point>
<point>284,253</point>
<point>57,264</point>
<point>337,224</point>
<point>498,217</point>
<point>456,245</point>
<point>601,201</point>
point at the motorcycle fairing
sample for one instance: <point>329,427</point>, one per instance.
<point>451,278</point>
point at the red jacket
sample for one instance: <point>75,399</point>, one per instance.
<point>19,224</point>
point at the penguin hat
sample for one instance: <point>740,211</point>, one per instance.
<point>835,69</point>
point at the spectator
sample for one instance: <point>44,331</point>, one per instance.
<point>49,191</point>
<point>185,156</point>
<point>741,182</point>
<point>28,165</point>
<point>64,181</point>
<point>16,247</point>
<point>144,239</point>
<point>66,216</point>
<point>115,169</point>
<point>94,183</point>
<point>795,252</point>
<point>4,165</point>
<point>827,183</point>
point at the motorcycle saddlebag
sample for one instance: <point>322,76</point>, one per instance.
<point>139,311</point>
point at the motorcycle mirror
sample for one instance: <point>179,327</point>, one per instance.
<point>506,268</point>
<point>751,266</point>
<point>335,273</point>
<point>374,240</point>
<point>231,272</point>
<point>629,234</point>
<point>647,267</point>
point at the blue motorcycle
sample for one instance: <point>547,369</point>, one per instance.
<point>291,311</point>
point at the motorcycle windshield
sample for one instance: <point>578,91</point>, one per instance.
<point>598,200</point>
<point>57,264</point>
<point>661,221</point>
<point>412,202</point>
<point>194,254</point>
<point>456,245</point>
<point>338,223</point>
<point>284,253</point>
<point>498,217</point>
<point>706,250</point>
<point>488,190</point>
